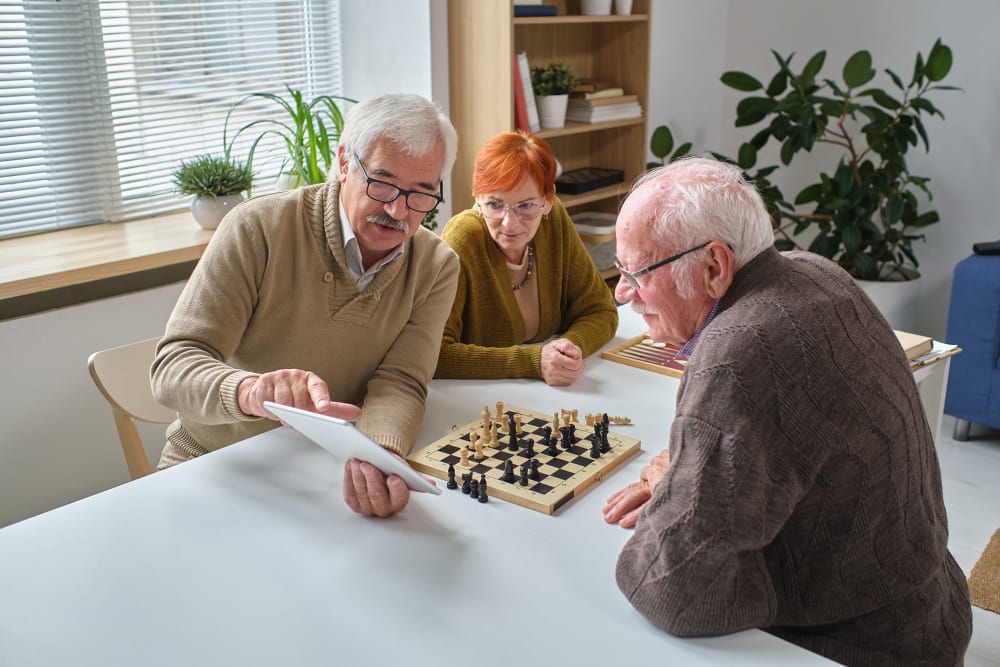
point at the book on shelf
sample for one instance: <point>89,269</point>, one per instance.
<point>527,2</point>
<point>600,114</point>
<point>576,103</point>
<point>535,10</point>
<point>914,344</point>
<point>591,85</point>
<point>534,124</point>
<point>598,94</point>
<point>520,106</point>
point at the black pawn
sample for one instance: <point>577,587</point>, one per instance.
<point>466,486</point>
<point>482,489</point>
<point>524,474</point>
<point>595,448</point>
<point>533,475</point>
<point>508,471</point>
<point>452,484</point>
<point>529,448</point>
<point>551,449</point>
<point>474,489</point>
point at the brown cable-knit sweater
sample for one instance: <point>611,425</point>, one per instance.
<point>803,494</point>
<point>273,291</point>
<point>484,332</point>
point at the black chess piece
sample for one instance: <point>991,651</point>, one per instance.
<point>508,471</point>
<point>529,448</point>
<point>551,449</point>
<point>533,475</point>
<point>474,489</point>
<point>482,488</point>
<point>572,434</point>
<point>524,474</point>
<point>466,486</point>
<point>595,448</point>
<point>452,484</point>
<point>567,444</point>
<point>605,445</point>
<point>512,432</point>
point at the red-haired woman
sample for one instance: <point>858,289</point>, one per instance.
<point>530,302</point>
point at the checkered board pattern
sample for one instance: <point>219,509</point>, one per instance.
<point>642,352</point>
<point>561,477</point>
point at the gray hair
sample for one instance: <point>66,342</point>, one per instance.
<point>413,123</point>
<point>703,199</point>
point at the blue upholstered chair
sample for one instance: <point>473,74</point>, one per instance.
<point>974,325</point>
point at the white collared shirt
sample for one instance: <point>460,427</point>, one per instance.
<point>352,252</point>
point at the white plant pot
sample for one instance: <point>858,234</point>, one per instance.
<point>552,110</point>
<point>595,7</point>
<point>209,211</point>
<point>623,7</point>
<point>897,300</point>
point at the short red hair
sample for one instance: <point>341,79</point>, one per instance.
<point>504,161</point>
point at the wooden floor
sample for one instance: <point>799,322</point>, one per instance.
<point>971,477</point>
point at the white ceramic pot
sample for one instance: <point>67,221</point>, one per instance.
<point>623,7</point>
<point>595,7</point>
<point>209,211</point>
<point>551,110</point>
<point>897,300</point>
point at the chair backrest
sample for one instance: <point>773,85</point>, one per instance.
<point>122,375</point>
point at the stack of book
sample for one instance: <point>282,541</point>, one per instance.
<point>598,101</point>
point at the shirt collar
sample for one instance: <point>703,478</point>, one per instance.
<point>688,349</point>
<point>352,252</point>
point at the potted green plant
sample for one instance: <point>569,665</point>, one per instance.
<point>551,86</point>
<point>308,132</point>
<point>865,212</point>
<point>217,184</point>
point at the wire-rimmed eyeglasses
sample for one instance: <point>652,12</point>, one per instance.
<point>631,276</point>
<point>496,210</point>
<point>386,193</point>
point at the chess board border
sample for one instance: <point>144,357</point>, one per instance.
<point>624,353</point>
<point>623,448</point>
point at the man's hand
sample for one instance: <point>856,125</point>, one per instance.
<point>562,362</point>
<point>367,491</point>
<point>289,386</point>
<point>625,506</point>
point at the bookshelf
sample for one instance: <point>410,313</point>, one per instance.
<point>482,37</point>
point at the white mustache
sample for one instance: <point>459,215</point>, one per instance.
<point>389,221</point>
<point>642,308</point>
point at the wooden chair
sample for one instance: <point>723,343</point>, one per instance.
<point>122,375</point>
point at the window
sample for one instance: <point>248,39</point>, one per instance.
<point>101,100</point>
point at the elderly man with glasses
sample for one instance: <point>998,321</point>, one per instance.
<point>331,298</point>
<point>801,492</point>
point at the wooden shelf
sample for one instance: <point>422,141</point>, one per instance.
<point>41,262</point>
<point>580,128</point>
<point>578,18</point>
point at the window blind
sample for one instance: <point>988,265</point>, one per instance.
<point>101,100</point>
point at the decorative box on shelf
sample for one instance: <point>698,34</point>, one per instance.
<point>576,181</point>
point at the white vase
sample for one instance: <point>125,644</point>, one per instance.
<point>897,300</point>
<point>623,7</point>
<point>551,110</point>
<point>209,211</point>
<point>595,7</point>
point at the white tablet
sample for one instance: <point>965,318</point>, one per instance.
<point>343,440</point>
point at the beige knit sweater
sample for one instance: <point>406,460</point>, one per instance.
<point>273,291</point>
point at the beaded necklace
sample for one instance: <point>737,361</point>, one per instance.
<point>531,266</point>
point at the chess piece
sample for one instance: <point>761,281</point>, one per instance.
<point>480,455</point>
<point>551,449</point>
<point>595,447</point>
<point>529,448</point>
<point>464,462</point>
<point>499,410</point>
<point>574,416</point>
<point>512,432</point>
<point>533,475</point>
<point>567,444</point>
<point>605,445</point>
<point>466,483</point>
<point>524,474</point>
<point>517,424</point>
<point>474,489</point>
<point>452,484</point>
<point>494,437</point>
<point>482,489</point>
<point>508,471</point>
<point>572,434</point>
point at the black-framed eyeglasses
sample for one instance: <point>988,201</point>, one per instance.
<point>386,193</point>
<point>631,276</point>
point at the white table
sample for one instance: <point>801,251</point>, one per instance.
<point>248,556</point>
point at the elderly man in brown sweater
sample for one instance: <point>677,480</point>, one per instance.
<point>329,298</point>
<point>801,491</point>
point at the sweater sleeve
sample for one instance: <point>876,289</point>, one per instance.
<point>393,408</point>
<point>206,325</point>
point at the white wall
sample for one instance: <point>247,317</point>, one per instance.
<point>693,43</point>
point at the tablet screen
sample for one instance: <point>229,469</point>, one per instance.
<point>345,441</point>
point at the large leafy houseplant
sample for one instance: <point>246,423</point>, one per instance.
<point>864,213</point>
<point>308,130</point>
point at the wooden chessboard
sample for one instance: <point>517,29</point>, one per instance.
<point>642,352</point>
<point>561,477</point>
